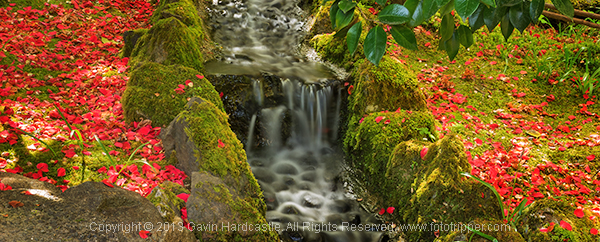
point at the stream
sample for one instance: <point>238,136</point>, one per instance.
<point>298,164</point>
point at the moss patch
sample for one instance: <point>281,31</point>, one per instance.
<point>170,42</point>
<point>151,92</point>
<point>184,10</point>
<point>370,144</point>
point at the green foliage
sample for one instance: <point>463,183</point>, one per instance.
<point>510,14</point>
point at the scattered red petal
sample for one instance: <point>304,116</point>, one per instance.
<point>105,181</point>
<point>184,196</point>
<point>565,225</point>
<point>382,211</point>
<point>61,172</point>
<point>43,167</point>
<point>144,234</point>
<point>390,210</point>
<point>594,231</point>
<point>424,152</point>
<point>221,144</point>
<point>579,213</point>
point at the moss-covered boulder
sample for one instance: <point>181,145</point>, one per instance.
<point>130,39</point>
<point>370,143</point>
<point>494,228</point>
<point>184,10</point>
<point>548,213</point>
<point>169,42</point>
<point>224,191</point>
<point>151,92</point>
<point>389,86</point>
<point>164,197</point>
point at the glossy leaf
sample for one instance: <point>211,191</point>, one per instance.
<point>422,11</point>
<point>394,14</point>
<point>353,36</point>
<point>333,12</point>
<point>493,16</point>
<point>465,8</point>
<point>343,19</point>
<point>536,8</point>
<point>519,16</point>
<point>405,37</point>
<point>465,36</point>
<point>476,20</point>
<point>375,44</point>
<point>508,3</point>
<point>564,6</point>
<point>446,9</point>
<point>452,45</point>
<point>447,27</point>
<point>346,5</point>
<point>506,27</point>
<point>489,3</point>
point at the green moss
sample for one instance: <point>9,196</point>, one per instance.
<point>432,189</point>
<point>184,10</point>
<point>170,42</point>
<point>207,126</point>
<point>130,40</point>
<point>151,92</point>
<point>167,201</point>
<point>370,143</point>
<point>548,213</point>
<point>494,228</point>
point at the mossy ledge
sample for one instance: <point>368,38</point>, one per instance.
<point>151,93</point>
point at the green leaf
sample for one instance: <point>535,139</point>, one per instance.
<point>565,7</point>
<point>375,43</point>
<point>422,11</point>
<point>489,237</point>
<point>446,9</point>
<point>447,27</point>
<point>411,5</point>
<point>394,14</point>
<point>381,2</point>
<point>506,27</point>
<point>353,36</point>
<point>465,36</point>
<point>489,3</point>
<point>332,12</point>
<point>491,188</point>
<point>405,37</point>
<point>476,20</point>
<point>519,16</point>
<point>535,10</point>
<point>493,16</point>
<point>452,45</point>
<point>508,3</point>
<point>465,8</point>
<point>343,19</point>
<point>346,5</point>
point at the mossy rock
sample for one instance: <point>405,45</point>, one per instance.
<point>164,197</point>
<point>223,186</point>
<point>432,189</point>
<point>170,42</point>
<point>371,142</point>
<point>184,10</point>
<point>389,86</point>
<point>130,38</point>
<point>548,213</point>
<point>151,92</point>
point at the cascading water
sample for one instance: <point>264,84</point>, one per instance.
<point>299,167</point>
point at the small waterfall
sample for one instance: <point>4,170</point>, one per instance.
<point>295,107</point>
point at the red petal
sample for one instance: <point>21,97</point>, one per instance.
<point>424,152</point>
<point>61,172</point>
<point>565,225</point>
<point>382,211</point>
<point>350,88</point>
<point>578,212</point>
<point>107,183</point>
<point>184,196</point>
<point>378,119</point>
<point>43,167</point>
<point>593,231</point>
<point>75,167</point>
<point>221,144</point>
<point>144,234</point>
<point>200,76</point>
<point>591,157</point>
<point>390,210</point>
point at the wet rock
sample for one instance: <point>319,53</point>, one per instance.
<point>279,186</point>
<point>334,219</point>
<point>310,176</point>
<point>270,200</point>
<point>312,201</point>
<point>290,209</point>
<point>289,181</point>
<point>164,197</point>
<point>286,169</point>
<point>341,206</point>
<point>264,174</point>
